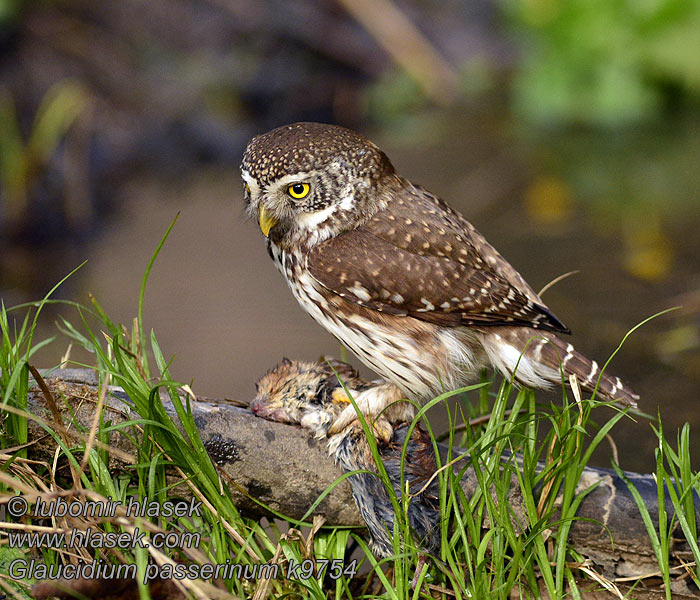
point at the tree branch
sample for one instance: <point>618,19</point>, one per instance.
<point>283,467</point>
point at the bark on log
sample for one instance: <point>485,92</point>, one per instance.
<point>283,467</point>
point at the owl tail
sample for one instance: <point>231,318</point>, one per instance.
<point>537,358</point>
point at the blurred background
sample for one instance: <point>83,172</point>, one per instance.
<point>567,131</point>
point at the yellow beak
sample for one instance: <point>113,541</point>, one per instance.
<point>266,220</point>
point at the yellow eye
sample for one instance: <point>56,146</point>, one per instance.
<point>247,189</point>
<point>298,190</point>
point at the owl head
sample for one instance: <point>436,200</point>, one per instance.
<point>310,180</point>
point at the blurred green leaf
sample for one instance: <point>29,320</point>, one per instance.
<point>58,110</point>
<point>395,95</point>
<point>603,61</point>
<point>20,161</point>
<point>9,10</point>
<point>13,166</point>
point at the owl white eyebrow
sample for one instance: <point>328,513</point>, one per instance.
<point>347,202</point>
<point>252,184</point>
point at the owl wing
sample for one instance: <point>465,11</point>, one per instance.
<point>420,258</point>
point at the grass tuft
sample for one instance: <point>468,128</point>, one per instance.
<point>508,535</point>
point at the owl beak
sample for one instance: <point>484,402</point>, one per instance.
<point>266,220</point>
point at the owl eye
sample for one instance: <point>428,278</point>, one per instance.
<point>247,189</point>
<point>298,190</point>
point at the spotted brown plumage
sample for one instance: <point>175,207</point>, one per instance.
<point>404,281</point>
<point>443,288</point>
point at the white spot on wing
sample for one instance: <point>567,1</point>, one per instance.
<point>361,292</point>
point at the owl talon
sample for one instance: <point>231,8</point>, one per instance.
<point>339,396</point>
<point>380,405</point>
<point>383,431</point>
<point>370,404</point>
<point>348,417</point>
<point>343,420</point>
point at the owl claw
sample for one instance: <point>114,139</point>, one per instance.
<point>339,396</point>
<point>383,430</point>
<point>380,404</point>
<point>370,404</point>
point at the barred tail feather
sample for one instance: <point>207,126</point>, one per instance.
<point>538,358</point>
<point>588,371</point>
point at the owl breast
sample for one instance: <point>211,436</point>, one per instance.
<point>420,359</point>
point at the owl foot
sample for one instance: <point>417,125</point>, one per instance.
<point>381,404</point>
<point>369,406</point>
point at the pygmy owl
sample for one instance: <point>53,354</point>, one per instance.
<point>401,279</point>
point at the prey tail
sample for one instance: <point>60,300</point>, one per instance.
<point>544,357</point>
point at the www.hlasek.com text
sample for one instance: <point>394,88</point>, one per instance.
<point>96,539</point>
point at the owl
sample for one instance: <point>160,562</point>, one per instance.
<point>401,279</point>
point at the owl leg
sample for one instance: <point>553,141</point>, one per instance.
<point>381,406</point>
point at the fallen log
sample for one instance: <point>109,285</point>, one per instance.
<point>284,468</point>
